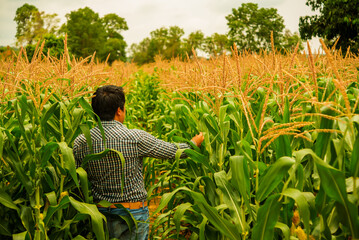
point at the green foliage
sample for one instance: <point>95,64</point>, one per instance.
<point>33,25</point>
<point>250,27</point>
<point>216,44</point>
<point>230,189</point>
<point>88,33</point>
<point>337,21</point>
<point>164,42</point>
<point>194,41</point>
<point>38,172</point>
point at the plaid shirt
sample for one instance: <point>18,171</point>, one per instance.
<point>105,174</point>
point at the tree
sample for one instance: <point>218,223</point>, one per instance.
<point>163,42</point>
<point>338,20</point>
<point>139,52</point>
<point>115,45</point>
<point>290,41</point>
<point>88,33</point>
<point>216,44</point>
<point>194,41</point>
<point>115,49</point>
<point>250,27</point>
<point>114,25</point>
<point>33,25</point>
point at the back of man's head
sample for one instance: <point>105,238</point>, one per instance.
<point>107,100</point>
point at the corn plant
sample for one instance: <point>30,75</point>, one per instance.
<point>43,194</point>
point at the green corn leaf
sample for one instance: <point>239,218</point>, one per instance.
<point>199,158</point>
<point>16,164</point>
<point>2,140</point>
<point>49,113</point>
<point>209,189</point>
<point>64,203</point>
<point>222,113</point>
<point>240,178</point>
<point>4,228</point>
<point>282,143</point>
<point>27,219</point>
<point>46,152</point>
<point>223,225</point>
<point>21,236</point>
<point>273,177</point>
<point>333,183</point>
<point>123,165</point>
<point>102,131</point>
<point>303,206</point>
<point>93,157</point>
<point>77,116</point>
<point>79,237</point>
<point>323,139</point>
<point>212,126</point>
<point>166,198</point>
<point>231,198</point>
<point>354,163</point>
<point>97,219</point>
<point>284,228</point>
<point>177,217</point>
<point>267,218</point>
<point>6,200</point>
<point>52,198</point>
<point>202,228</point>
<point>84,183</point>
<point>69,161</point>
<point>21,125</point>
<point>86,131</point>
<point>87,107</point>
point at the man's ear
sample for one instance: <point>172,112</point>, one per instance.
<point>119,112</point>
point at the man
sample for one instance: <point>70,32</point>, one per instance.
<point>107,173</point>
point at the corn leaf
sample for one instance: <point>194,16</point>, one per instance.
<point>267,218</point>
<point>69,161</point>
<point>302,205</point>
<point>84,183</point>
<point>97,219</point>
<point>6,200</point>
<point>231,198</point>
<point>273,177</point>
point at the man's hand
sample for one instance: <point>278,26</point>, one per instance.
<point>198,139</point>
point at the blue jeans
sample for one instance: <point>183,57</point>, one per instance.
<point>118,227</point>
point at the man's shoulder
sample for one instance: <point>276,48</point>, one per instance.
<point>132,134</point>
<point>80,139</point>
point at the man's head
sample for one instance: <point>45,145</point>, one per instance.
<point>108,102</point>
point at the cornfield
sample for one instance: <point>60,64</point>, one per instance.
<point>280,159</point>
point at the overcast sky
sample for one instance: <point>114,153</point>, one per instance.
<point>144,16</point>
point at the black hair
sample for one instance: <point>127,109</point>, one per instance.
<point>106,100</point>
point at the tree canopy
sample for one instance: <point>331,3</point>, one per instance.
<point>338,20</point>
<point>250,27</point>
<point>164,42</point>
<point>33,25</point>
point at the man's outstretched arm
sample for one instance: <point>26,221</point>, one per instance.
<point>149,146</point>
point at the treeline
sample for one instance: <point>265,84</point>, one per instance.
<point>250,28</point>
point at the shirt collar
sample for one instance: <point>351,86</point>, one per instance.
<point>111,123</point>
